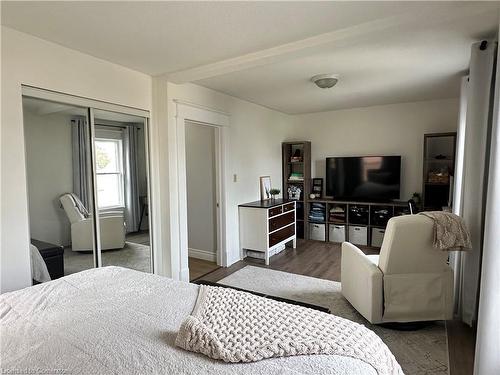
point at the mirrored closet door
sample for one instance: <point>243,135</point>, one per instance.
<point>59,180</point>
<point>121,169</point>
<point>88,188</point>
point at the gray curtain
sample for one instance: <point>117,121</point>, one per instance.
<point>473,141</point>
<point>488,330</point>
<point>132,204</point>
<point>80,139</point>
<point>456,258</point>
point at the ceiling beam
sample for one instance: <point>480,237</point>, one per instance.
<point>338,37</point>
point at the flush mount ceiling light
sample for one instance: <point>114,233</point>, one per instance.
<point>325,81</point>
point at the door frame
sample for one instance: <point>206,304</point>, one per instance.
<point>201,115</point>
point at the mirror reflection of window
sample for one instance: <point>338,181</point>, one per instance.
<point>370,163</point>
<point>109,173</point>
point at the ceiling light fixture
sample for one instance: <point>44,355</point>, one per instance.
<point>325,81</point>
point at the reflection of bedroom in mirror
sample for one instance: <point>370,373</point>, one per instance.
<point>122,188</point>
<point>61,195</point>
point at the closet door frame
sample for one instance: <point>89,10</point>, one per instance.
<point>91,105</point>
<point>93,182</point>
<point>80,101</point>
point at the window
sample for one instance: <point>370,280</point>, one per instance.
<point>109,171</point>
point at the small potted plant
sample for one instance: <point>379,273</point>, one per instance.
<point>274,192</point>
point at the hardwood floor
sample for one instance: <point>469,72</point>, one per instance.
<point>197,267</point>
<point>461,347</point>
<point>322,260</point>
<point>200,267</point>
<point>310,258</point>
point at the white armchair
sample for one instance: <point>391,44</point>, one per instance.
<point>409,281</point>
<point>112,226</point>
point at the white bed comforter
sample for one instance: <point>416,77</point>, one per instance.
<point>118,321</point>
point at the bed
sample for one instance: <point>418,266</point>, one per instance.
<point>114,320</point>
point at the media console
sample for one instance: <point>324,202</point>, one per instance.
<point>361,223</point>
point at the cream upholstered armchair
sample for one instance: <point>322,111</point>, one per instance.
<point>111,224</point>
<point>409,281</point>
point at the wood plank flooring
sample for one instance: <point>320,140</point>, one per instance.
<point>322,260</point>
<point>310,258</point>
<point>200,267</point>
<point>197,267</point>
<point>461,347</point>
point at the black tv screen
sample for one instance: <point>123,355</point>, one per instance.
<point>375,178</point>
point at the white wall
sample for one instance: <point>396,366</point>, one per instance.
<point>396,129</point>
<point>254,139</point>
<point>49,166</point>
<point>32,61</point>
<point>201,191</point>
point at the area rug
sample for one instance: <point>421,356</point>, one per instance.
<point>133,255</point>
<point>422,351</point>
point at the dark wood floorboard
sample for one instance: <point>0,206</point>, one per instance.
<point>200,267</point>
<point>461,347</point>
<point>310,258</point>
<point>322,260</point>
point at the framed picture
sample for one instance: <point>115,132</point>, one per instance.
<point>317,187</point>
<point>265,187</point>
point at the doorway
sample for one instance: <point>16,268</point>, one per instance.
<point>201,193</point>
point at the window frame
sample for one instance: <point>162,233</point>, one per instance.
<point>121,173</point>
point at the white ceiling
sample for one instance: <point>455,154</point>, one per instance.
<point>265,52</point>
<point>158,37</point>
<point>409,64</point>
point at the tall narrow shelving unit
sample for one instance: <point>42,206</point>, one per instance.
<point>296,157</point>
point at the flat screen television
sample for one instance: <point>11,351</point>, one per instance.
<point>366,178</point>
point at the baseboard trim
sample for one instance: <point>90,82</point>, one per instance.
<point>202,254</point>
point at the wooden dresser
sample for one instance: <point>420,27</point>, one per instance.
<point>266,226</point>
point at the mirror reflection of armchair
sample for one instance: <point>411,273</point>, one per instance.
<point>111,224</point>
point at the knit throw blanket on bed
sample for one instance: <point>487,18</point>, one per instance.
<point>236,326</point>
<point>450,232</point>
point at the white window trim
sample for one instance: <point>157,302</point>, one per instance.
<point>121,173</point>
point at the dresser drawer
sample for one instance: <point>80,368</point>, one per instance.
<point>281,235</point>
<point>288,207</point>
<point>281,221</point>
<point>275,211</point>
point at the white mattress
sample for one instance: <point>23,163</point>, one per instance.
<point>118,321</point>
